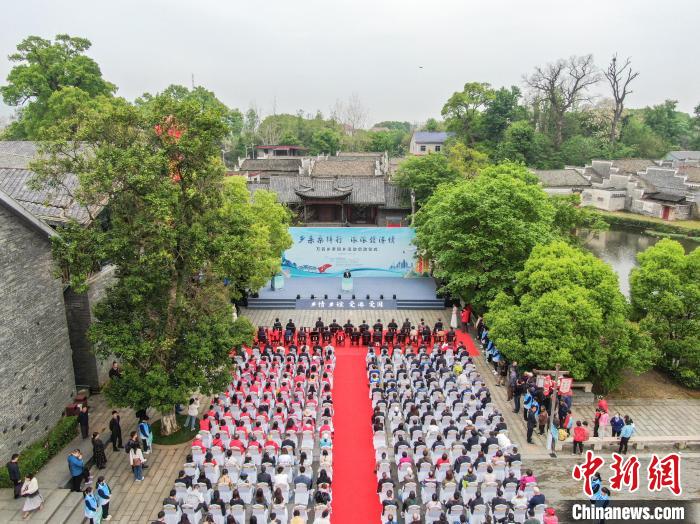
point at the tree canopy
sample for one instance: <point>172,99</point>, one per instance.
<point>423,174</point>
<point>566,308</point>
<point>47,80</point>
<point>185,240</point>
<point>665,293</point>
<point>479,232</point>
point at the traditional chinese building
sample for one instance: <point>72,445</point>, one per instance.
<point>333,190</point>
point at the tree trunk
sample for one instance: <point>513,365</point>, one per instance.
<point>559,131</point>
<point>613,128</point>
<point>168,423</point>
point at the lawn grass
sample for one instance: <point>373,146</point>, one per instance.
<point>179,437</point>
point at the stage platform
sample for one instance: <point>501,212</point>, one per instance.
<point>411,293</point>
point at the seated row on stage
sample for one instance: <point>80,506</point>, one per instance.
<point>362,334</point>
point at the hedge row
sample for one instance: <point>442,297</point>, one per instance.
<point>641,223</point>
<point>34,456</point>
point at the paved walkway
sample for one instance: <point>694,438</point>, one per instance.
<point>131,501</point>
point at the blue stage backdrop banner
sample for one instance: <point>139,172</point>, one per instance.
<point>364,251</point>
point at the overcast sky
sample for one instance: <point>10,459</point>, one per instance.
<point>306,54</point>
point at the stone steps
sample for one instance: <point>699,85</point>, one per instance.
<point>70,511</point>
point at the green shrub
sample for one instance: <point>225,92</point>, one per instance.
<point>34,456</point>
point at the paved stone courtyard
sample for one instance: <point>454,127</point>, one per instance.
<point>140,502</point>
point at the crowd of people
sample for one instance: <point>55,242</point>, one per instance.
<point>264,450</point>
<point>539,403</point>
<point>442,449</point>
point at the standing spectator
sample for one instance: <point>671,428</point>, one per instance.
<point>502,369</point>
<point>466,317</point>
<point>518,391</point>
<point>580,436</point>
<point>98,451</point>
<point>192,412</point>
<point>604,421</point>
<point>542,420</point>
<point>453,318</point>
<point>146,435</point>
<point>77,470</point>
<point>32,498</point>
<point>596,421</point>
<point>114,371</point>
<point>116,429</point>
<point>133,442</point>
<point>625,435</point>
<point>531,423</point>
<point>103,495</point>
<point>83,420</point>
<point>136,462</point>
<point>14,474</point>
<point>90,507</point>
<point>616,424</point>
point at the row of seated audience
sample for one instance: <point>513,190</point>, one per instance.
<point>356,335</point>
<point>264,452</point>
<point>442,449</point>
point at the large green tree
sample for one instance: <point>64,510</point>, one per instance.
<point>479,232</point>
<point>462,111</point>
<point>566,308</point>
<point>184,239</point>
<point>665,292</point>
<point>47,81</point>
<point>502,110</point>
<point>423,174</point>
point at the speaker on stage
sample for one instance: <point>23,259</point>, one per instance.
<point>346,284</point>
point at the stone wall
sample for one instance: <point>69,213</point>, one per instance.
<point>36,372</point>
<point>90,370</point>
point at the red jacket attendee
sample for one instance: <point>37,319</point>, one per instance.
<point>198,442</point>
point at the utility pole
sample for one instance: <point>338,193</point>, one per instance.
<point>558,373</point>
<point>192,80</point>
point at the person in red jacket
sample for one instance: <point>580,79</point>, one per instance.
<point>580,436</point>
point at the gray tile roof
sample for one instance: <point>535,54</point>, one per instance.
<point>663,180</point>
<point>25,215</point>
<point>692,172</point>
<point>631,166</point>
<point>665,197</point>
<point>561,178</point>
<point>683,155</point>
<point>17,154</point>
<point>431,137</point>
<point>342,166</point>
<point>282,165</point>
<point>366,154</point>
<point>357,190</point>
<point>396,197</point>
<point>53,205</point>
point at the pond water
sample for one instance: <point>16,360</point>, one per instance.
<point>619,246</point>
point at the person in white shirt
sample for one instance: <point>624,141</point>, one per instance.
<point>192,412</point>
<point>519,501</point>
<point>463,380</point>
<point>281,479</point>
<point>504,442</point>
<point>32,498</point>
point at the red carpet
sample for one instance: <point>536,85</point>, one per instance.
<point>355,498</point>
<point>468,342</point>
